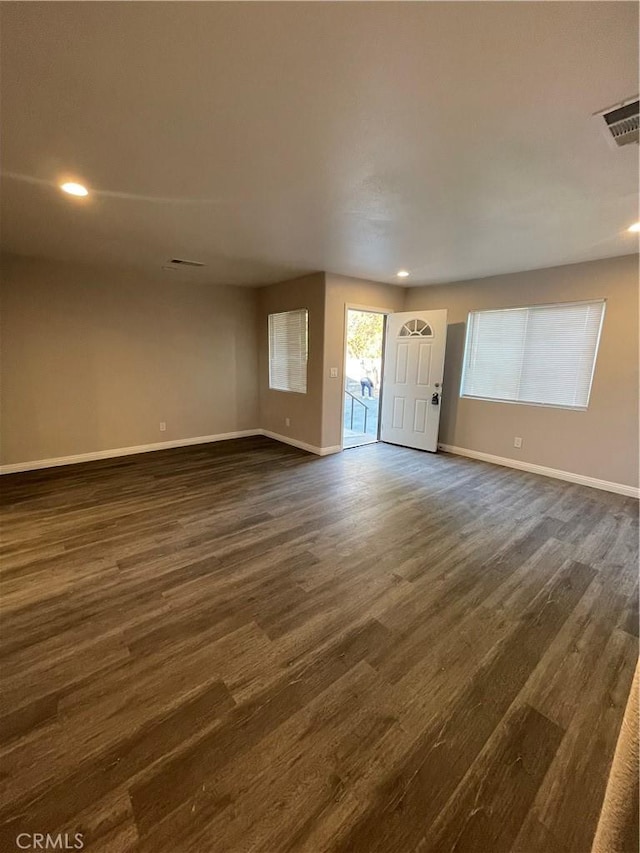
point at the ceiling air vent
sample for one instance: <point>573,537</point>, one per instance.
<point>622,122</point>
<point>181,262</point>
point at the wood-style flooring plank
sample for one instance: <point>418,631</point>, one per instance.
<point>240,647</point>
<point>489,806</point>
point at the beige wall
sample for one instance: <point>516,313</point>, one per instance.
<point>601,442</point>
<point>340,292</point>
<point>94,359</point>
<point>303,410</point>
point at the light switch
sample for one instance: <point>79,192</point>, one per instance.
<point>333,372</point>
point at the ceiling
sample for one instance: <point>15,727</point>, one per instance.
<point>455,140</point>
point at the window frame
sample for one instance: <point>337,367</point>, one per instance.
<point>306,352</point>
<point>562,406</point>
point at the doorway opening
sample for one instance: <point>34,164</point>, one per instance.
<point>363,377</point>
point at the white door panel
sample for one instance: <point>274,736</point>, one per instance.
<point>413,371</point>
<point>424,365</point>
<point>402,357</point>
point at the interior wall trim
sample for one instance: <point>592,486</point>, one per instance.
<point>37,464</point>
<point>302,445</point>
<point>569,476</point>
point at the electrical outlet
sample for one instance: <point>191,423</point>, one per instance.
<point>163,426</point>
<point>287,421</point>
<point>333,372</point>
<point>517,441</point>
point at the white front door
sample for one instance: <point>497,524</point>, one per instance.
<point>412,378</point>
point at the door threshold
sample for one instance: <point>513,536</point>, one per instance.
<point>349,445</point>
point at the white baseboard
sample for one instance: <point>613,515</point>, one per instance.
<point>122,451</point>
<point>580,479</point>
<point>569,476</point>
<point>37,464</point>
<point>302,445</point>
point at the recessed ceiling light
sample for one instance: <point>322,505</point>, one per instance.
<point>74,189</point>
<point>634,227</point>
<point>402,274</point>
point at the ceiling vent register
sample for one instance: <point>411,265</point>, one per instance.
<point>622,122</point>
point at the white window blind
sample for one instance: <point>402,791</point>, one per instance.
<point>545,354</point>
<point>288,336</point>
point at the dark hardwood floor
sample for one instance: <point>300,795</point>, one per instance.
<point>241,647</point>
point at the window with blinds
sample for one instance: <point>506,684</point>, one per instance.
<point>288,350</point>
<point>543,355</point>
